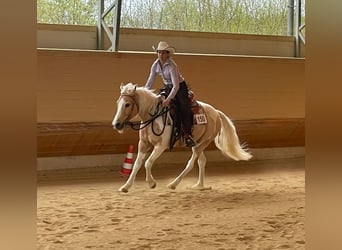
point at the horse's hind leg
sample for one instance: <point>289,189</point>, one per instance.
<point>187,169</point>
<point>202,160</point>
<point>157,151</point>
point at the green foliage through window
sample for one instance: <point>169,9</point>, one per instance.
<point>268,17</point>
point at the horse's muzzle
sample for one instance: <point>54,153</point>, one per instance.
<point>119,125</point>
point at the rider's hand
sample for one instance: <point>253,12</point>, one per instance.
<point>166,103</point>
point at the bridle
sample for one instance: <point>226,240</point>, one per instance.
<point>141,125</point>
<point>134,104</point>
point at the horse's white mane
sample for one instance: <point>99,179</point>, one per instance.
<point>131,88</point>
<point>127,89</point>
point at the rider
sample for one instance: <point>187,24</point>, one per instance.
<point>168,70</point>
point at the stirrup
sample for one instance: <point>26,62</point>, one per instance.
<point>189,142</point>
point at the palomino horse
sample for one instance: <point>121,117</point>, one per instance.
<point>155,132</point>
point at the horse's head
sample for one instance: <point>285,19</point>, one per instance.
<point>126,106</point>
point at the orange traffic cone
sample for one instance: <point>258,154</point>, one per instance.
<point>126,168</point>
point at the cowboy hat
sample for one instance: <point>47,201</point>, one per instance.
<point>164,46</point>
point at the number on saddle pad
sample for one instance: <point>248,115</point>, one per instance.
<point>201,119</point>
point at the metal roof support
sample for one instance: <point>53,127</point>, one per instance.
<point>299,37</point>
<point>103,28</point>
<point>290,10</point>
<point>100,34</point>
<point>116,24</point>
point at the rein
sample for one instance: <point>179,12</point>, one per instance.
<point>142,125</point>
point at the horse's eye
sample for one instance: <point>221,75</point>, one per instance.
<point>127,105</point>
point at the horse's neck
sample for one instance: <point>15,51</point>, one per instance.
<point>147,105</point>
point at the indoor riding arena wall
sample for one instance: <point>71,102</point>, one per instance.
<point>132,39</point>
<point>77,93</point>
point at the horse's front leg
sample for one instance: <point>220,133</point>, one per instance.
<point>157,151</point>
<point>142,152</point>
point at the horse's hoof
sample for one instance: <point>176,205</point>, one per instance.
<point>170,186</point>
<point>123,190</point>
<point>200,188</point>
<point>153,185</point>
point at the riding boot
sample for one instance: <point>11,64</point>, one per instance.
<point>189,141</point>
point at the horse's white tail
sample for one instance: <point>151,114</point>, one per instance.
<point>228,141</point>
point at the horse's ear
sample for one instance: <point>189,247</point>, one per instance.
<point>121,86</point>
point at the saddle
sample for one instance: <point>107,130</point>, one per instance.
<point>196,108</point>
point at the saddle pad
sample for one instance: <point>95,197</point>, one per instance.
<point>198,112</point>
